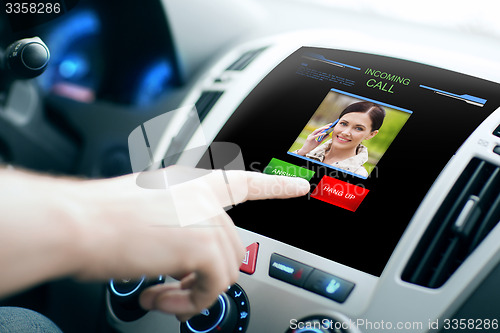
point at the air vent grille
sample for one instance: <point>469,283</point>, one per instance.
<point>206,102</point>
<point>245,60</point>
<point>469,212</point>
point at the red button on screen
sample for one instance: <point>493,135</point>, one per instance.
<point>250,260</point>
<point>339,193</point>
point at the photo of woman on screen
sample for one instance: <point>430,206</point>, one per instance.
<point>358,122</point>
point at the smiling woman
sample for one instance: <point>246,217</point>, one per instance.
<point>350,148</point>
<point>358,122</point>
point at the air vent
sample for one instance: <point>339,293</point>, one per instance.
<point>469,212</point>
<point>206,102</point>
<point>245,60</point>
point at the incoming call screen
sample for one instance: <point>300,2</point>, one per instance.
<point>370,133</point>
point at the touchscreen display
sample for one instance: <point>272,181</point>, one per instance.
<point>370,133</point>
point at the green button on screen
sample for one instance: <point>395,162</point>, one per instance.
<point>282,168</point>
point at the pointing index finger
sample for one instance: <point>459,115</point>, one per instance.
<point>244,186</point>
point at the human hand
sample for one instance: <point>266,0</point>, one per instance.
<point>311,141</point>
<point>182,231</point>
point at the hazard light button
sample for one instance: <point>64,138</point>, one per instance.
<point>250,261</point>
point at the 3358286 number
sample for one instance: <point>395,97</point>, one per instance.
<point>32,8</point>
<point>471,324</point>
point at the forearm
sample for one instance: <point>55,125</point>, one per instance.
<point>100,229</point>
<point>52,227</point>
<point>38,237</point>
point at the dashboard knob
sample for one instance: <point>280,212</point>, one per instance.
<point>126,292</point>
<point>230,313</point>
<point>220,317</point>
<point>124,297</point>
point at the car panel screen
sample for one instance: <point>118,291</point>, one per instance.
<point>370,133</point>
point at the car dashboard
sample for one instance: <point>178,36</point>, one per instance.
<point>407,242</point>
<point>400,249</point>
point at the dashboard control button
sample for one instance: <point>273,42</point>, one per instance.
<point>328,285</point>
<point>250,260</point>
<point>288,270</point>
<point>496,150</point>
<point>35,56</point>
<point>496,132</point>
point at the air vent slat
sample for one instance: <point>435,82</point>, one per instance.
<point>491,186</point>
<point>469,212</point>
<point>489,221</point>
<point>245,59</point>
<point>206,102</point>
<point>445,264</point>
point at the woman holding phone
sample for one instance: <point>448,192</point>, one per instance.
<point>358,122</point>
